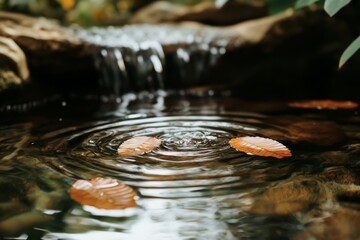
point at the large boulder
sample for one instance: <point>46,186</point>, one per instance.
<point>47,45</point>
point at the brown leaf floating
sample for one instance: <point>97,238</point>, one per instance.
<point>103,193</point>
<point>138,145</point>
<point>324,104</point>
<point>260,146</point>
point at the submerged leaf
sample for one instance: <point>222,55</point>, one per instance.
<point>324,104</point>
<point>103,193</point>
<point>138,145</point>
<point>260,146</point>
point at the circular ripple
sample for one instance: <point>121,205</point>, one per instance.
<point>194,158</point>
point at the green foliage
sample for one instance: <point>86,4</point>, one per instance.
<point>330,6</point>
<point>333,6</point>
<point>277,6</point>
<point>304,3</point>
<point>354,47</point>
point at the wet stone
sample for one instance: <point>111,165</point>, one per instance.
<point>31,201</point>
<point>341,223</point>
<point>13,70</point>
<point>289,197</point>
<point>8,79</point>
<point>303,195</point>
<point>336,158</point>
<point>36,34</point>
<point>339,174</point>
<point>353,148</point>
<point>49,48</point>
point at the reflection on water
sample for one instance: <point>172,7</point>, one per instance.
<point>194,186</point>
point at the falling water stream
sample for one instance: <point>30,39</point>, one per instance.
<point>133,59</point>
<point>195,185</point>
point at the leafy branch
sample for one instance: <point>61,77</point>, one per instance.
<point>330,6</point>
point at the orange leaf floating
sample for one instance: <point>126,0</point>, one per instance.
<point>103,193</point>
<point>324,104</point>
<point>138,145</point>
<point>260,146</point>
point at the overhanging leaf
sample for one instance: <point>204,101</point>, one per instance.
<point>333,6</point>
<point>304,3</point>
<point>324,104</point>
<point>138,145</point>
<point>350,50</point>
<point>103,193</point>
<point>260,146</point>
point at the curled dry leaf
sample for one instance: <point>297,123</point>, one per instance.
<point>103,193</point>
<point>324,104</point>
<point>138,145</point>
<point>260,146</point>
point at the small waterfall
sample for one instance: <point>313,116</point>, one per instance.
<point>140,58</point>
<point>139,67</point>
<point>192,61</point>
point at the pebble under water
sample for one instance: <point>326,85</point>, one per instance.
<point>195,185</point>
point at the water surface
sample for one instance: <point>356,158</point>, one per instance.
<point>194,186</point>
